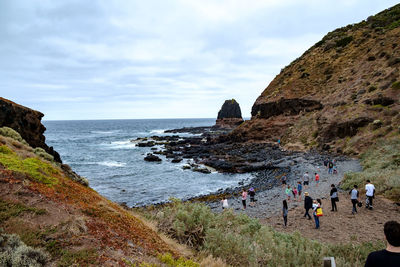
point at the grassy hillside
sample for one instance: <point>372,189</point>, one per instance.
<point>341,95</point>
<point>66,220</point>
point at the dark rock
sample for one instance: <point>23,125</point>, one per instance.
<point>176,160</point>
<point>380,100</point>
<point>27,122</point>
<point>285,106</point>
<point>230,109</point>
<point>202,170</point>
<point>146,144</point>
<point>151,157</point>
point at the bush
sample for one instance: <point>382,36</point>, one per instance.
<point>13,252</point>
<point>43,154</point>
<point>344,41</point>
<point>396,85</point>
<point>381,165</point>
<point>243,241</point>
<point>8,132</point>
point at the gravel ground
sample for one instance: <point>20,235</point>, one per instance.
<point>269,202</point>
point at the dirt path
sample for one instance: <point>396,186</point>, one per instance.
<point>341,226</point>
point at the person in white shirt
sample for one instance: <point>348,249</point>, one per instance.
<point>224,202</point>
<point>370,192</point>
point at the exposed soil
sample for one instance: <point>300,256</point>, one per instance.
<point>341,226</point>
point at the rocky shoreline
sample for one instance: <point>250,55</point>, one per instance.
<point>267,162</point>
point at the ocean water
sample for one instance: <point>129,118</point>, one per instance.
<point>102,151</point>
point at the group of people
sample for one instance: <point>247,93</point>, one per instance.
<point>297,189</point>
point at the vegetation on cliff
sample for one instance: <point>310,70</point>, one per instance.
<point>242,241</point>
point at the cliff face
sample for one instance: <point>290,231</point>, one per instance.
<point>229,115</point>
<point>27,122</point>
<point>340,95</point>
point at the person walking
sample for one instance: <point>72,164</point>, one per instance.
<point>330,167</point>
<point>285,211</point>
<point>334,197</point>
<point>288,192</point>
<point>306,180</point>
<point>389,257</point>
<point>316,179</point>
<point>299,189</point>
<point>252,194</point>
<point>283,180</point>
<point>326,161</point>
<point>244,197</point>
<point>308,202</point>
<point>354,194</point>
<point>316,205</point>
<point>224,202</point>
<point>370,192</point>
<point>294,192</point>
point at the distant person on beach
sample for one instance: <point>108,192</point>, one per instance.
<point>299,189</point>
<point>283,180</point>
<point>330,167</point>
<point>354,194</point>
<point>224,202</point>
<point>326,161</point>
<point>316,179</point>
<point>315,206</point>
<point>389,257</point>
<point>308,202</point>
<point>252,194</point>
<point>306,180</point>
<point>244,197</point>
<point>285,211</point>
<point>334,197</point>
<point>294,192</point>
<point>288,192</point>
<point>370,193</point>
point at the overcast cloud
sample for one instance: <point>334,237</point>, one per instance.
<point>156,59</point>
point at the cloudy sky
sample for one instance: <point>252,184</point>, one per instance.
<point>129,59</point>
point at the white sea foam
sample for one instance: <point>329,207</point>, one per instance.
<point>126,144</point>
<point>157,131</point>
<point>112,163</point>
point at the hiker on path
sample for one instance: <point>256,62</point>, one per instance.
<point>326,161</point>
<point>252,194</point>
<point>306,180</point>
<point>316,205</point>
<point>294,192</point>
<point>224,202</point>
<point>389,257</point>
<point>299,189</point>
<point>283,180</point>
<point>244,197</point>
<point>285,211</point>
<point>307,204</point>
<point>288,192</point>
<point>354,194</point>
<point>330,167</point>
<point>334,197</point>
<point>316,179</point>
<point>370,192</point>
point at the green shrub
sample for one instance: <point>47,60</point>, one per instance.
<point>181,262</point>
<point>11,209</point>
<point>13,252</point>
<point>43,154</point>
<point>381,165</point>
<point>8,132</point>
<point>36,169</point>
<point>396,85</point>
<point>344,41</point>
<point>243,241</point>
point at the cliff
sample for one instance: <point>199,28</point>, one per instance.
<point>340,95</point>
<point>27,122</point>
<point>229,115</point>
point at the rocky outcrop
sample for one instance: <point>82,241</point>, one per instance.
<point>230,115</point>
<point>329,97</point>
<point>284,106</point>
<point>27,122</point>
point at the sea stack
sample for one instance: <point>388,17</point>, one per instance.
<point>230,115</point>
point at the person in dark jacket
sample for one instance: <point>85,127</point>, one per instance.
<point>334,197</point>
<point>307,204</point>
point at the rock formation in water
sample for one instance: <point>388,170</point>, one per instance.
<point>330,96</point>
<point>27,122</point>
<point>230,115</point>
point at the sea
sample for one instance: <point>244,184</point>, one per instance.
<point>105,153</point>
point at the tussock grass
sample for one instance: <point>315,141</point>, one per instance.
<point>381,165</point>
<point>8,132</point>
<point>36,169</point>
<point>243,241</point>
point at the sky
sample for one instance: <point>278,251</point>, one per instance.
<point>81,59</point>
